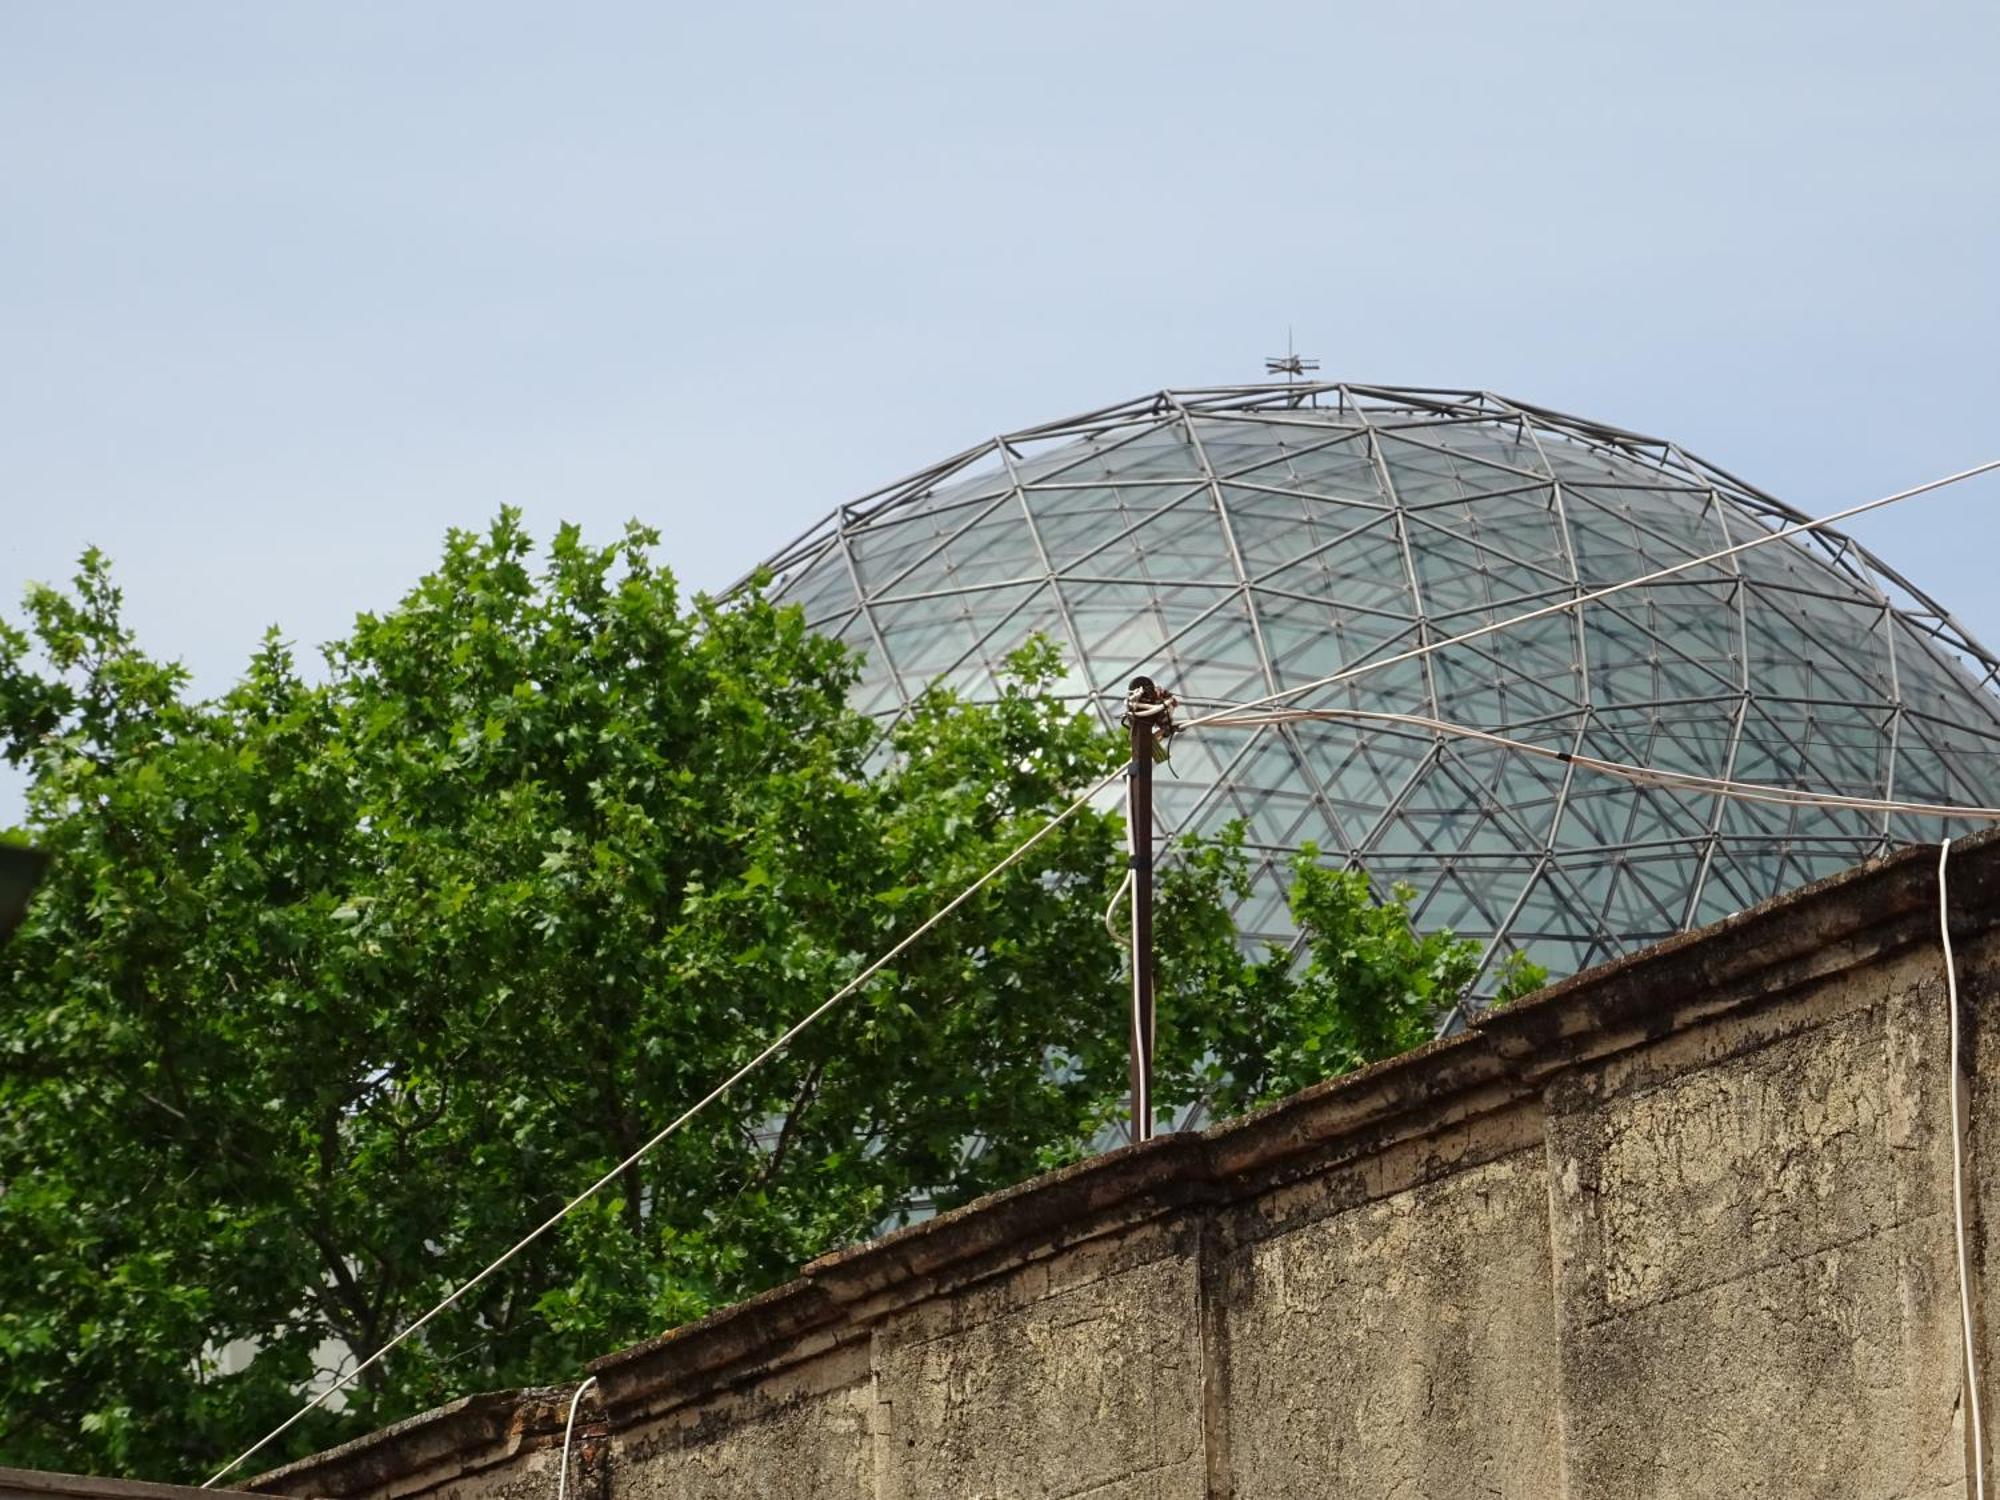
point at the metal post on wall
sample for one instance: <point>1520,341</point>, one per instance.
<point>1149,715</point>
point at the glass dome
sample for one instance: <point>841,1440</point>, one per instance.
<point>1233,543</point>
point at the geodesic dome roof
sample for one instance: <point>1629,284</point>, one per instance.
<point>1232,543</point>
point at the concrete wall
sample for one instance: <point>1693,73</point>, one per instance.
<point>1679,1227</point>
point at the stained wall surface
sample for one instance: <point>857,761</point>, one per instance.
<point>1682,1226</point>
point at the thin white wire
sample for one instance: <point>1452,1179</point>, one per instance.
<point>1958,1191</point>
<point>783,1040</point>
<point>1746,791</point>
<point>1110,911</point>
<point>787,1036</point>
<point>1773,795</point>
<point>569,1428</point>
<point>1762,539</point>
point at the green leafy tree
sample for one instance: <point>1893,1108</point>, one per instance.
<point>335,986</point>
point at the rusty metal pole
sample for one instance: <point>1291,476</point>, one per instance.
<point>1139,819</point>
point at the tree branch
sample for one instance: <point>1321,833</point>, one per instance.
<point>801,1102</point>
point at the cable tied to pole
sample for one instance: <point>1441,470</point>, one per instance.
<point>1122,939</point>
<point>1149,716</point>
<point>1145,699</point>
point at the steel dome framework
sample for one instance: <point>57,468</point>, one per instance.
<point>1242,541</point>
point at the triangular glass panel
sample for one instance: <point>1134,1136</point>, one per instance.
<point>824,591</point>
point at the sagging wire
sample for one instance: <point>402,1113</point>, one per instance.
<point>1722,786</point>
<point>1148,706</point>
<point>783,1040</point>
<point>1958,1189</point>
<point>1122,939</point>
<point>1759,792</point>
<point>1762,539</point>
<point>569,1430</point>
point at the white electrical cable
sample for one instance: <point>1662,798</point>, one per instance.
<point>1342,676</point>
<point>1958,1190</point>
<point>1756,792</point>
<point>1762,539</point>
<point>1111,911</point>
<point>1744,791</point>
<point>783,1040</point>
<point>569,1429</point>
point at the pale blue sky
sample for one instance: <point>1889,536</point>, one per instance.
<point>285,290</point>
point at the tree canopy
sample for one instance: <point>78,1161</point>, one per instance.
<point>338,982</point>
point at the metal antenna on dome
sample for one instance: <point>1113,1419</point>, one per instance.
<point>1290,364</point>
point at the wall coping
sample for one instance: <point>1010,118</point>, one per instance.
<point>461,1437</point>
<point>1752,959</point>
<point>46,1484</point>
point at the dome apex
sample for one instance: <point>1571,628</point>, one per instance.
<point>1233,542</point>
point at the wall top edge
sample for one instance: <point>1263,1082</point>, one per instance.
<point>1752,959</point>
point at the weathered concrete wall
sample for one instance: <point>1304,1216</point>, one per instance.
<point>1755,1278</point>
<point>1369,1353</point>
<point>1679,1227</point>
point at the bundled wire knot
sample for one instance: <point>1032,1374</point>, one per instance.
<point>1144,699</point>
